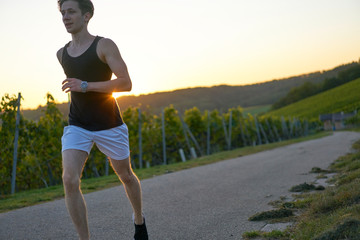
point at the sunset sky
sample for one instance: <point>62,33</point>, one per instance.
<point>171,44</point>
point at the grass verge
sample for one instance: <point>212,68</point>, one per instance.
<point>32,197</point>
<point>335,212</point>
<point>275,234</point>
<point>272,214</point>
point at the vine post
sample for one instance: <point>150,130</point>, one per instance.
<point>163,136</point>
<point>13,176</point>
<point>140,140</point>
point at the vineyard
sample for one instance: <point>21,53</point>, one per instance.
<point>154,139</point>
<point>344,98</point>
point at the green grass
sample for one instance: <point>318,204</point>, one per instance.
<point>343,98</point>
<point>349,229</point>
<point>330,214</point>
<point>275,234</point>
<point>272,214</point>
<point>335,212</point>
<point>305,187</point>
<point>252,234</point>
<point>32,197</point>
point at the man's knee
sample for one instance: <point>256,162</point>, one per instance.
<point>71,182</point>
<point>123,170</point>
<point>127,177</point>
<point>73,163</point>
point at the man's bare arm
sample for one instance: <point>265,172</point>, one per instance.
<point>110,54</point>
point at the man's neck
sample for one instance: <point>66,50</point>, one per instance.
<point>81,38</point>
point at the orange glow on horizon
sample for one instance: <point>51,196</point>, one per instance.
<point>120,94</point>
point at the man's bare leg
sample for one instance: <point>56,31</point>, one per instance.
<point>132,186</point>
<point>73,164</point>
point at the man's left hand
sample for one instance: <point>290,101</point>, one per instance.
<point>71,85</point>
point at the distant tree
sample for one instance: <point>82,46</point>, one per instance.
<point>296,94</point>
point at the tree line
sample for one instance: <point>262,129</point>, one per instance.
<point>309,89</point>
<point>153,138</point>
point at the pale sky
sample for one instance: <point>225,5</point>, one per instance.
<point>172,44</point>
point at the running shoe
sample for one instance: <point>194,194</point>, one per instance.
<point>141,232</point>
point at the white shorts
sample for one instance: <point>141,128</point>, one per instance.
<point>113,142</point>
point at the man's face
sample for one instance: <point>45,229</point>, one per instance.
<point>73,19</point>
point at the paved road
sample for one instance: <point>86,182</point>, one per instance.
<point>210,202</point>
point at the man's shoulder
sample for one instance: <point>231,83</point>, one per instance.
<point>107,45</point>
<point>60,51</point>
<point>106,42</point>
<point>59,54</point>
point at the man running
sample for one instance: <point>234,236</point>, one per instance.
<point>89,62</point>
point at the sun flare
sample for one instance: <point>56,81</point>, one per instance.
<point>117,94</point>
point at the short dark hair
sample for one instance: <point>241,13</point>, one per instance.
<point>84,5</point>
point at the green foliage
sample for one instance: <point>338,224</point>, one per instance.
<point>296,94</point>
<point>8,118</point>
<point>173,132</point>
<point>196,121</point>
<point>39,151</point>
<point>355,120</point>
<point>344,98</point>
<point>39,147</point>
<point>310,89</point>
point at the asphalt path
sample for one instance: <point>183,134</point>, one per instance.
<point>209,202</point>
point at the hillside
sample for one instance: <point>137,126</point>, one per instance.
<point>344,98</point>
<point>309,89</point>
<point>220,97</point>
<point>224,97</point>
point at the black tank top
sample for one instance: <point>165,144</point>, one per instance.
<point>93,111</point>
